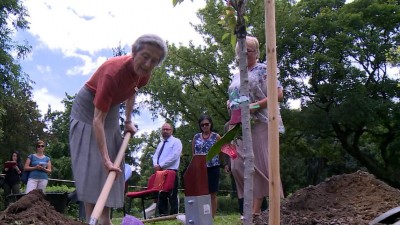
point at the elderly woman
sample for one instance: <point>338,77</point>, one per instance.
<point>95,135</point>
<point>259,129</point>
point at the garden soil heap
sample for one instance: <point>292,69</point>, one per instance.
<point>34,209</point>
<point>350,199</point>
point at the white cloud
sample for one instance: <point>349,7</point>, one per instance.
<point>89,66</point>
<point>43,98</point>
<point>92,25</point>
<point>43,69</point>
<point>80,29</point>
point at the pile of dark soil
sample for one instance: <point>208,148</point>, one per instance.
<point>33,209</point>
<point>350,199</point>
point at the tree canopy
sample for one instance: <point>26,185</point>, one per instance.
<point>333,56</point>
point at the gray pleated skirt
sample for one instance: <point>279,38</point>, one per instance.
<point>87,164</point>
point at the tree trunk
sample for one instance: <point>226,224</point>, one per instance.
<point>245,112</point>
<point>246,131</point>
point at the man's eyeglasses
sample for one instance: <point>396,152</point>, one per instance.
<point>205,125</point>
<point>167,129</point>
<point>40,146</point>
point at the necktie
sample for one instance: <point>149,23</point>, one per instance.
<point>159,154</point>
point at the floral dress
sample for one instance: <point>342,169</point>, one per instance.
<point>257,77</point>
<point>257,90</point>
<point>202,146</point>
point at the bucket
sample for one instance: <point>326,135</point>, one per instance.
<point>57,200</point>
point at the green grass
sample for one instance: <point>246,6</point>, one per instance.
<point>232,219</point>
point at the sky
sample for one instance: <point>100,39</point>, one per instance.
<point>71,38</point>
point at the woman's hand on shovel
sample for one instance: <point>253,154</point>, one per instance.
<point>110,167</point>
<point>130,127</point>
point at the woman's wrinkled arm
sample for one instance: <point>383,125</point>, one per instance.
<point>129,125</point>
<point>98,125</point>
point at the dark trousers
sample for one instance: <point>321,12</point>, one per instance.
<point>8,190</point>
<point>172,198</point>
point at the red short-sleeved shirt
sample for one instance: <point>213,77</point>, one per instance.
<point>114,82</point>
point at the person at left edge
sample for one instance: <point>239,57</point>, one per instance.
<point>95,135</point>
<point>12,184</point>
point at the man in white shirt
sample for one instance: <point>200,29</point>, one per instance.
<point>167,157</point>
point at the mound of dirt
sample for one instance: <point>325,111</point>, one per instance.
<point>34,209</point>
<point>350,199</point>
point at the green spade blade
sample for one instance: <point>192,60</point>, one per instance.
<point>227,138</point>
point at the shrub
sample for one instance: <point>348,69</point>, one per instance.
<point>59,189</point>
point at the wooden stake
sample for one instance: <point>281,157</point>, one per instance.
<point>273,133</point>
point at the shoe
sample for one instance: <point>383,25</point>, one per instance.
<point>182,218</point>
<point>241,217</point>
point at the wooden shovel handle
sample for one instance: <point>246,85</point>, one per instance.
<point>101,201</point>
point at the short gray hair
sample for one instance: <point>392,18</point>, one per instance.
<point>150,39</point>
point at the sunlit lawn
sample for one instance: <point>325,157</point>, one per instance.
<point>232,219</point>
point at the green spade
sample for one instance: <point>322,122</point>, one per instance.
<point>227,138</point>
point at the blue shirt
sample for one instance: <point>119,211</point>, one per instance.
<point>171,154</point>
<point>38,174</point>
